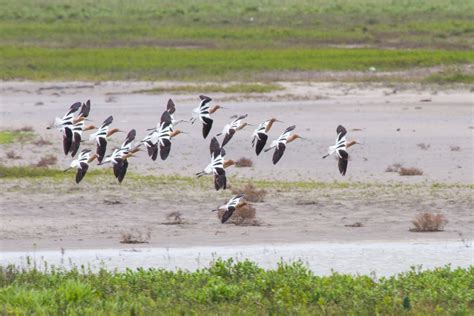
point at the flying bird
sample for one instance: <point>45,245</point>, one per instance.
<point>232,127</point>
<point>280,143</point>
<point>229,208</point>
<point>171,108</point>
<point>82,163</point>
<point>203,112</point>
<point>216,166</point>
<point>340,148</point>
<point>101,136</point>
<point>159,139</point>
<point>119,157</point>
<point>79,127</point>
<point>64,125</point>
<point>260,135</point>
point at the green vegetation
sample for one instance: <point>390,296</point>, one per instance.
<point>450,76</point>
<point>11,136</point>
<point>228,287</point>
<point>152,63</point>
<point>212,88</point>
<point>41,173</point>
<point>228,40</point>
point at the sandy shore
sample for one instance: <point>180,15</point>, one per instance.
<point>391,124</point>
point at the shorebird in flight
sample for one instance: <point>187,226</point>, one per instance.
<point>203,112</point>
<point>340,148</point>
<point>232,127</point>
<point>101,136</point>
<point>64,125</point>
<point>229,208</point>
<point>119,157</point>
<point>82,163</point>
<point>79,127</point>
<point>216,166</point>
<point>260,135</point>
<point>161,136</point>
<point>280,143</point>
<point>171,108</point>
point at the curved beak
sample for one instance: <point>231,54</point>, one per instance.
<point>279,121</point>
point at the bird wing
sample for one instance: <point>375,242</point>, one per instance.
<point>76,142</point>
<point>206,126</point>
<point>342,161</point>
<point>341,132</point>
<point>107,121</point>
<point>214,147</point>
<point>227,214</point>
<point>81,171</point>
<point>165,148</point>
<point>170,107</point>
<point>72,109</point>
<point>261,141</point>
<point>67,139</point>
<point>279,150</point>
<point>165,118</point>
<point>101,148</point>
<point>130,137</point>
<point>284,136</point>
<point>123,170</point>
<point>228,136</point>
<point>85,109</point>
<point>234,201</point>
<point>204,105</point>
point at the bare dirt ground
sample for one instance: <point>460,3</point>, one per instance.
<point>416,127</point>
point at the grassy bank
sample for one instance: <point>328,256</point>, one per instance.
<point>152,63</point>
<point>227,287</point>
<point>229,40</point>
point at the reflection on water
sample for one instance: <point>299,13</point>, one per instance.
<point>363,258</point>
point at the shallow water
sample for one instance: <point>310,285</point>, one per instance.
<point>381,258</point>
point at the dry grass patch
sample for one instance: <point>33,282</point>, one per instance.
<point>423,146</point>
<point>47,161</point>
<point>174,218</point>
<point>42,142</point>
<point>244,163</point>
<point>24,129</point>
<point>429,222</point>
<point>136,237</point>
<point>410,171</point>
<point>455,148</point>
<point>243,216</point>
<point>394,167</point>
<point>12,155</point>
<point>251,193</point>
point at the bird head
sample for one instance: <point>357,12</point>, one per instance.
<point>228,163</point>
<point>113,131</point>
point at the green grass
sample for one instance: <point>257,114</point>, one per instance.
<point>228,40</point>
<point>11,136</point>
<point>177,64</point>
<point>450,76</point>
<point>228,287</point>
<point>94,176</point>
<point>231,88</point>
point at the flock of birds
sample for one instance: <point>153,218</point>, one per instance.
<point>159,140</point>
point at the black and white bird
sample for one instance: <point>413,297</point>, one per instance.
<point>119,157</point>
<point>79,127</point>
<point>64,125</point>
<point>232,127</point>
<point>160,137</point>
<point>216,166</point>
<point>260,135</point>
<point>203,113</point>
<point>230,207</point>
<point>280,143</point>
<point>171,108</point>
<point>82,163</point>
<point>101,136</point>
<point>340,149</point>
